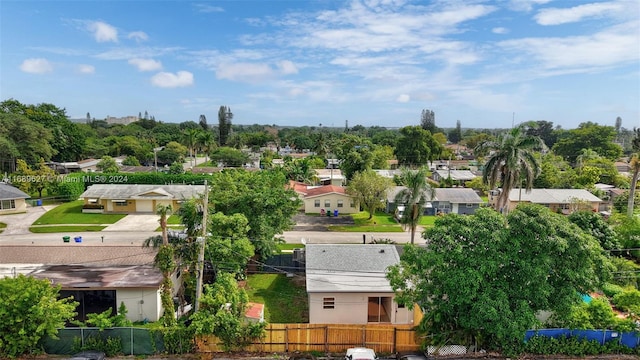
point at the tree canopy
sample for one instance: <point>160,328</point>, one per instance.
<point>486,276</point>
<point>598,138</point>
<point>417,146</point>
<point>370,189</point>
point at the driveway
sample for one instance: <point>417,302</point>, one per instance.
<point>319,223</point>
<point>135,222</point>
<point>19,223</point>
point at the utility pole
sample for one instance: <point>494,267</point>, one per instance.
<point>202,240</point>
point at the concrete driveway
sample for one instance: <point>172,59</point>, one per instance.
<point>19,223</point>
<point>135,222</point>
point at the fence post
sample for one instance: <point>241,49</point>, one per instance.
<point>286,338</point>
<point>394,339</point>
<point>131,328</point>
<point>364,336</point>
<point>82,336</point>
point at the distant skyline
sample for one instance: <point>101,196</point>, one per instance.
<point>309,62</point>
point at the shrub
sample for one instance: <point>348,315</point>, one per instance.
<point>628,300</point>
<point>611,289</point>
<point>93,206</point>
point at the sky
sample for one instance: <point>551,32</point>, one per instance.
<point>487,64</point>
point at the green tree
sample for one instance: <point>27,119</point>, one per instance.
<point>131,161</point>
<point>30,311</point>
<point>172,152</point>
<point>44,178</point>
<point>428,121</point>
<point>416,147</point>
<point>25,138</point>
<point>555,173</point>
<point>262,197</point>
<point>593,224</point>
<point>370,189</point>
<point>511,163</point>
<point>485,276</point>
<point>191,141</point>
<point>229,247</point>
<point>229,156</point>
<point>635,166</point>
<point>222,309</point>
<point>164,211</point>
<point>414,196</point>
<point>176,168</point>
<point>455,135</point>
<point>588,136</point>
<point>206,143</point>
<point>355,154</point>
<point>107,165</point>
<point>224,124</point>
<point>381,156</point>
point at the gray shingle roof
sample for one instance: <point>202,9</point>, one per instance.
<point>552,196</point>
<point>131,191</point>
<point>76,254</point>
<point>77,276</point>
<point>452,195</point>
<point>8,192</point>
<point>463,175</point>
<point>349,267</point>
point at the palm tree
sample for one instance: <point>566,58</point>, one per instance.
<point>414,196</point>
<point>206,143</point>
<point>511,162</point>
<point>190,140</point>
<point>635,166</point>
<point>164,211</point>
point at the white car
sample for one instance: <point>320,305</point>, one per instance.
<point>360,353</point>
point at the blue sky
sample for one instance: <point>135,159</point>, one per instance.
<point>311,62</point>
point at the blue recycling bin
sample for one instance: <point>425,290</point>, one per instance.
<point>78,239</point>
<point>39,202</point>
<point>335,212</point>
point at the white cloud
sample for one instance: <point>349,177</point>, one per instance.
<point>499,30</point>
<point>36,66</point>
<point>206,8</point>
<point>556,16</point>
<point>138,36</point>
<point>145,64</point>
<point>245,72</point>
<point>124,53</point>
<point>403,98</point>
<point>86,69</point>
<point>102,31</point>
<point>614,46</point>
<point>287,67</point>
<point>171,80</point>
<point>526,5</point>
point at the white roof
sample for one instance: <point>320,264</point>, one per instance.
<point>552,196</point>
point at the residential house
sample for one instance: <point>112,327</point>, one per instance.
<point>346,284</point>
<point>328,198</point>
<point>330,177</point>
<point>390,174</point>
<point>134,198</point>
<point>462,201</point>
<point>98,276</point>
<point>12,200</point>
<point>565,201</point>
<point>88,165</point>
<point>459,177</point>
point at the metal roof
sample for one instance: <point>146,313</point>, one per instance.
<point>552,196</point>
<point>349,267</point>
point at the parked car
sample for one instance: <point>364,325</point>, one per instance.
<point>412,357</point>
<point>360,353</point>
<point>89,355</point>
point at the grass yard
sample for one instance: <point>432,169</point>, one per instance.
<point>289,247</point>
<point>380,222</point>
<point>71,213</point>
<point>64,229</point>
<point>2,227</point>
<point>285,301</point>
<point>428,220</point>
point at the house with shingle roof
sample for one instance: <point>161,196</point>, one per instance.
<point>565,201</point>
<point>464,201</point>
<point>346,284</point>
<point>98,276</point>
<point>136,198</point>
<point>458,176</point>
<point>329,198</point>
<point>12,200</point>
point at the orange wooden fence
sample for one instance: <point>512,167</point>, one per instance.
<point>326,338</point>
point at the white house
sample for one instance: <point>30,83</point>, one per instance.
<point>346,284</point>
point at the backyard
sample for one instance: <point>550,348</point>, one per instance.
<point>285,299</point>
<point>380,222</point>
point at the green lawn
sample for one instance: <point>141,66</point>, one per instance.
<point>2,227</point>
<point>284,301</point>
<point>428,221</point>
<point>173,220</point>
<point>64,229</point>
<point>289,246</point>
<point>71,213</point>
<point>380,222</point>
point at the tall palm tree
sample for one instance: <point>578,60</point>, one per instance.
<point>415,194</point>
<point>206,143</point>
<point>164,211</point>
<point>635,166</point>
<point>190,140</point>
<point>511,161</point>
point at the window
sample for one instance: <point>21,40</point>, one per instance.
<point>469,205</point>
<point>327,204</point>
<point>121,203</point>
<point>7,204</point>
<point>352,204</point>
<point>328,303</point>
<point>340,203</point>
<point>316,203</point>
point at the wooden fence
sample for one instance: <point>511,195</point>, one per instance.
<point>326,338</point>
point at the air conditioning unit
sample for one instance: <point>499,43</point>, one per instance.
<point>298,255</point>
